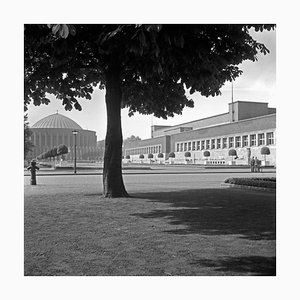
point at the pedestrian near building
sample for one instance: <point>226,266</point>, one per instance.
<point>256,164</point>
<point>252,162</point>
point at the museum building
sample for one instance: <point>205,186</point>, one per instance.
<point>57,129</point>
<point>246,127</point>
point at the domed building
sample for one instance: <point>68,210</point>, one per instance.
<point>57,129</point>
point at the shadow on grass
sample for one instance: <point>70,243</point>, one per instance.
<point>248,265</point>
<point>250,214</point>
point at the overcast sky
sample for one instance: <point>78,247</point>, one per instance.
<point>257,83</point>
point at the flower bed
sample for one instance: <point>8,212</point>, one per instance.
<point>267,182</point>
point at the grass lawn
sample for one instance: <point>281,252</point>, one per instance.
<point>188,232</point>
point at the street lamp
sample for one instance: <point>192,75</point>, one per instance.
<point>75,132</point>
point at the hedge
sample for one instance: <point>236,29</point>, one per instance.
<point>267,182</point>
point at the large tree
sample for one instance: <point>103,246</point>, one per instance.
<point>147,68</point>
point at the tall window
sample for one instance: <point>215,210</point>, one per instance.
<point>270,138</point>
<point>193,145</point>
<point>245,141</point>
<point>202,145</point>
<point>237,141</point>
<point>207,144</point>
<point>189,146</point>
<point>198,145</point>
<point>231,142</point>
<point>177,147</point>
<point>181,147</point>
<point>185,146</point>
<point>261,139</point>
<point>213,144</point>
<point>218,143</point>
<point>253,140</point>
<point>224,142</point>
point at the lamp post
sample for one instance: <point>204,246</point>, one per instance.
<point>74,133</point>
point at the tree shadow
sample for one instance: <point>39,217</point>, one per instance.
<point>250,214</point>
<point>245,265</point>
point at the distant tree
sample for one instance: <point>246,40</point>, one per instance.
<point>265,151</point>
<point>132,138</point>
<point>127,156</point>
<point>56,151</point>
<point>141,156</point>
<point>146,68</point>
<point>28,145</point>
<point>150,155</point>
<point>160,155</point>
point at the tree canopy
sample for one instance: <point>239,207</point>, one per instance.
<point>156,62</point>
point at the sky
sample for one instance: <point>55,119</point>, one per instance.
<point>257,83</point>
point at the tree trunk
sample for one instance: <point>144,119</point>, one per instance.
<point>113,185</point>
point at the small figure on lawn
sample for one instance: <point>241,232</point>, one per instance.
<point>33,167</point>
<point>252,163</point>
<point>256,165</point>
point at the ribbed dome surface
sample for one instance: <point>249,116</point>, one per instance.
<point>56,121</point>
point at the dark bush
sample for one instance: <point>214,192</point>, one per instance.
<point>172,155</point>
<point>62,149</point>
<point>232,152</point>
<point>142,156</point>
<point>187,154</point>
<point>267,182</point>
<point>206,153</point>
<point>160,155</point>
<point>265,151</point>
<point>150,155</point>
<point>127,156</point>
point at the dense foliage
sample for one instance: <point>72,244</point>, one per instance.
<point>267,182</point>
<point>232,152</point>
<point>150,155</point>
<point>187,154</point>
<point>160,155</point>
<point>56,151</point>
<point>206,153</point>
<point>172,155</point>
<point>265,151</point>
<point>28,145</point>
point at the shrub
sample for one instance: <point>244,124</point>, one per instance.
<point>160,155</point>
<point>187,154</point>
<point>127,156</point>
<point>62,149</point>
<point>141,156</point>
<point>150,155</point>
<point>267,182</point>
<point>172,155</point>
<point>232,152</point>
<point>265,151</point>
<point>206,153</point>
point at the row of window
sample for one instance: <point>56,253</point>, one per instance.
<point>251,140</point>
<point>144,150</point>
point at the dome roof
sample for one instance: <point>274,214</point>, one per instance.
<point>56,121</point>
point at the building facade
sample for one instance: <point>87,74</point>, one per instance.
<point>57,129</point>
<point>246,127</point>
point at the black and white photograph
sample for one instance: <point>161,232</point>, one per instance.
<point>152,149</point>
